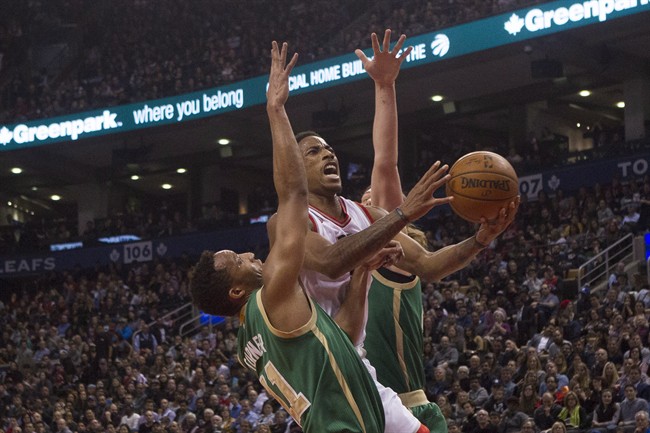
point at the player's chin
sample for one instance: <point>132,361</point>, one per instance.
<point>333,186</point>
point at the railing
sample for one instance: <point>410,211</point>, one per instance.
<point>596,270</point>
<point>183,314</point>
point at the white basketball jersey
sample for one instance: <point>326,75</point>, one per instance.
<point>327,292</point>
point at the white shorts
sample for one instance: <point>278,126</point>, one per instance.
<point>398,418</point>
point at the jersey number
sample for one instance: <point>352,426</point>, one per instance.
<point>297,402</point>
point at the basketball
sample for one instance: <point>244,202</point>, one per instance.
<point>481,183</point>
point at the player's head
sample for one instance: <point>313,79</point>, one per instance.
<point>223,281</point>
<point>366,197</point>
<point>321,164</point>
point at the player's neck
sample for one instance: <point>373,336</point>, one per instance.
<point>330,204</point>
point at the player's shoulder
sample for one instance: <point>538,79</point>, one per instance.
<point>374,211</point>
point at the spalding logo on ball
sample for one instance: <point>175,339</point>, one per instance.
<point>481,183</point>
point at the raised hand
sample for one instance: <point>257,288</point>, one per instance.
<point>278,90</point>
<point>385,64</point>
<point>420,199</point>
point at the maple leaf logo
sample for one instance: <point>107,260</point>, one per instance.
<point>514,24</point>
<point>5,136</point>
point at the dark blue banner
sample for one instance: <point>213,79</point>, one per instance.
<point>240,240</point>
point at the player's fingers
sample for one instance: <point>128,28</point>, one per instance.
<point>430,172</point>
<point>399,44</point>
<point>375,43</point>
<point>361,55</point>
<point>274,50</point>
<point>292,63</point>
<point>387,41</point>
<point>283,52</point>
<point>439,201</point>
<point>435,174</point>
<point>405,54</point>
<point>439,178</point>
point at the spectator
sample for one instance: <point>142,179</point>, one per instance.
<point>606,413</point>
<point>477,394</point>
<point>546,414</point>
<point>483,424</point>
<point>572,414</point>
<point>642,422</point>
<point>512,419</point>
<point>629,408</point>
<point>528,400</point>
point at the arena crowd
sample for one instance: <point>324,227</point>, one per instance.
<point>511,344</point>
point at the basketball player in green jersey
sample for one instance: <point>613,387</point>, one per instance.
<point>302,357</point>
<point>394,341</point>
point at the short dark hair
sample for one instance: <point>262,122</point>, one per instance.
<point>209,288</point>
<point>304,134</point>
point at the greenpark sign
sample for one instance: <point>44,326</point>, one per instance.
<point>536,21</point>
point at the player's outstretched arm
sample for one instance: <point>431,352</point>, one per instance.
<point>436,265</point>
<point>383,68</point>
<point>285,259</point>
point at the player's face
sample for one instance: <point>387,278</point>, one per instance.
<point>321,166</point>
<point>366,198</point>
<point>245,269</point>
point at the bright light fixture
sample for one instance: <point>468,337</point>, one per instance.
<point>16,170</point>
<point>166,186</point>
<point>620,104</point>
<point>437,98</point>
<point>578,125</point>
<point>55,197</point>
<point>181,170</point>
<point>135,177</point>
<point>9,203</point>
<point>223,141</point>
<point>584,93</point>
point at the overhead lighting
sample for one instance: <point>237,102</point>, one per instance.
<point>437,98</point>
<point>181,170</point>
<point>55,197</point>
<point>166,186</point>
<point>135,177</point>
<point>34,188</point>
<point>620,104</point>
<point>16,170</point>
<point>223,141</point>
<point>9,203</point>
<point>584,93</point>
<point>578,125</point>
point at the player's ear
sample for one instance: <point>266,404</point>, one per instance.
<point>236,292</point>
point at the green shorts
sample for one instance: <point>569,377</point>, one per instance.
<point>430,415</point>
<point>426,412</point>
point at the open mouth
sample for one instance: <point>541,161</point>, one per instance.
<point>331,170</point>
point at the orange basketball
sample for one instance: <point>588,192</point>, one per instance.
<point>481,183</point>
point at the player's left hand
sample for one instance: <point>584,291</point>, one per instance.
<point>385,64</point>
<point>489,230</point>
<point>387,256</point>
<point>278,90</point>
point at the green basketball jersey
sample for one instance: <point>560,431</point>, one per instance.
<point>394,341</point>
<point>313,371</point>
